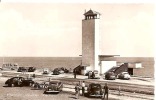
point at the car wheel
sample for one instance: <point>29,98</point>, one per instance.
<point>7,85</point>
<point>30,84</point>
<point>12,85</point>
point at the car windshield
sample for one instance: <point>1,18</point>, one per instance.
<point>95,86</point>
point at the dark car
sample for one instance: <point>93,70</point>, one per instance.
<point>87,73</point>
<point>94,90</point>
<point>19,81</point>
<point>22,69</point>
<point>64,70</point>
<point>55,86</point>
<point>56,71</point>
<point>110,76</point>
<point>31,69</point>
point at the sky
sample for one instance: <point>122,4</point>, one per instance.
<point>55,29</point>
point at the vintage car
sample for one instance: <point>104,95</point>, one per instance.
<point>46,71</point>
<point>19,81</point>
<point>110,76</point>
<point>22,69</point>
<point>124,75</point>
<point>54,86</point>
<point>11,66</point>
<point>40,84</point>
<point>93,76</point>
<point>31,69</point>
<point>94,90</point>
<point>56,71</point>
<point>87,73</point>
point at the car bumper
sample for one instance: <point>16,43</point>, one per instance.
<point>95,95</point>
<point>52,91</point>
<point>111,78</point>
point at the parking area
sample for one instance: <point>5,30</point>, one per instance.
<point>39,73</point>
<point>69,80</point>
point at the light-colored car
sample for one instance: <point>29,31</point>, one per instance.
<point>46,71</point>
<point>124,75</point>
<point>95,76</point>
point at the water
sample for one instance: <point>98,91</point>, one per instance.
<point>42,62</point>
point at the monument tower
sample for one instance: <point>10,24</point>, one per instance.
<point>90,39</point>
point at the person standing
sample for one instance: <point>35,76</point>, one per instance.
<point>89,74</point>
<point>106,91</point>
<point>77,91</point>
<point>83,88</point>
<point>74,73</point>
<point>93,75</point>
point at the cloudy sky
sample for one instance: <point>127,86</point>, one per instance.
<point>48,29</point>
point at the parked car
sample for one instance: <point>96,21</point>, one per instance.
<point>95,76</point>
<point>110,76</point>
<point>56,71</point>
<point>64,70</point>
<point>87,73</point>
<point>46,71</point>
<point>22,69</point>
<point>61,71</point>
<point>94,90</point>
<point>55,86</point>
<point>9,66</point>
<point>19,81</point>
<point>31,69</point>
<point>40,84</point>
<point>124,75</point>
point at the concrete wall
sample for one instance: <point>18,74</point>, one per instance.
<point>147,63</point>
<point>90,31</point>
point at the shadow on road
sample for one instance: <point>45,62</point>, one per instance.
<point>72,97</point>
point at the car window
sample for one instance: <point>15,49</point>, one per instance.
<point>95,86</point>
<point>15,79</point>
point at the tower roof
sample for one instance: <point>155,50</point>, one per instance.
<point>91,12</point>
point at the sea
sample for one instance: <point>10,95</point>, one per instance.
<point>43,62</point>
